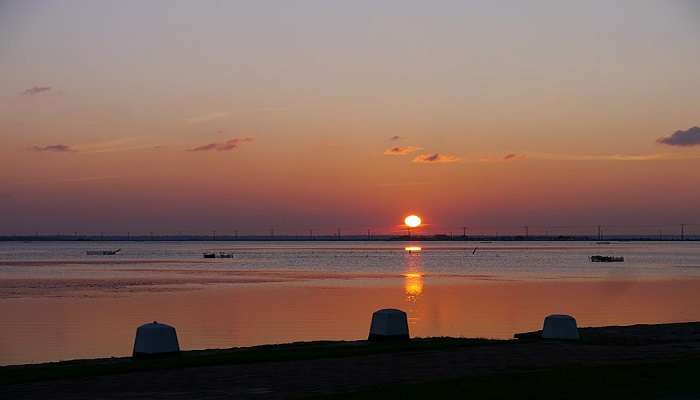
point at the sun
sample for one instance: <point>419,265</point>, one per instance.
<point>412,221</point>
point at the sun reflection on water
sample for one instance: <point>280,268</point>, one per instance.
<point>413,275</point>
<point>413,285</point>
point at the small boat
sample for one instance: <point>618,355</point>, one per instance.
<point>607,259</point>
<point>221,254</point>
<point>102,252</point>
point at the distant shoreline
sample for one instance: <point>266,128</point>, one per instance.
<point>347,238</point>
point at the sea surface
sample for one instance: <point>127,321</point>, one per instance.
<point>58,303</point>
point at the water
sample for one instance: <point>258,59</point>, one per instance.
<point>58,303</point>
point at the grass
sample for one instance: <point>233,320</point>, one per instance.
<point>243,355</point>
<point>677,379</point>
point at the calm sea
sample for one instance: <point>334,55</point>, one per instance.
<point>59,303</point>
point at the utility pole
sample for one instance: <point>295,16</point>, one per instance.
<point>599,233</point>
<point>682,231</point>
<point>338,233</point>
<point>464,232</point>
<point>369,235</point>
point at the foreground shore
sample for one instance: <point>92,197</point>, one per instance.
<point>642,361</point>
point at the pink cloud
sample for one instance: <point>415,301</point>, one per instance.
<point>32,91</point>
<point>223,146</point>
<point>435,158</point>
<point>401,150</point>
<point>514,157</point>
<point>55,148</point>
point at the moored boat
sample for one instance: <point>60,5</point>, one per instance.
<point>221,254</point>
<point>599,258</point>
<point>102,252</point>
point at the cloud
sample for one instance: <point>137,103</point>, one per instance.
<point>514,157</point>
<point>121,144</point>
<point>435,158</point>
<point>33,91</point>
<point>54,148</point>
<point>401,151</point>
<point>395,138</point>
<point>604,157</point>
<point>223,146</point>
<point>208,117</point>
<point>690,137</point>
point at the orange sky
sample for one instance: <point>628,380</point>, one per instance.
<point>318,115</point>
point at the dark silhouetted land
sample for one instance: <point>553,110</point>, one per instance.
<point>642,361</point>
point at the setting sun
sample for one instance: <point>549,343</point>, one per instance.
<point>412,221</point>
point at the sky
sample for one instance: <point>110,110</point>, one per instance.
<point>190,116</point>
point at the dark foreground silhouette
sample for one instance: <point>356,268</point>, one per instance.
<point>641,361</point>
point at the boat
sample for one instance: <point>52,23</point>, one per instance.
<point>102,252</point>
<point>221,254</point>
<point>600,258</point>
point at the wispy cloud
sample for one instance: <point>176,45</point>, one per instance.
<point>435,158</point>
<point>33,91</point>
<point>200,119</point>
<point>605,157</point>
<point>690,137</point>
<point>223,146</point>
<point>401,150</point>
<point>514,157</point>
<point>122,144</point>
<point>53,148</point>
<point>395,138</point>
